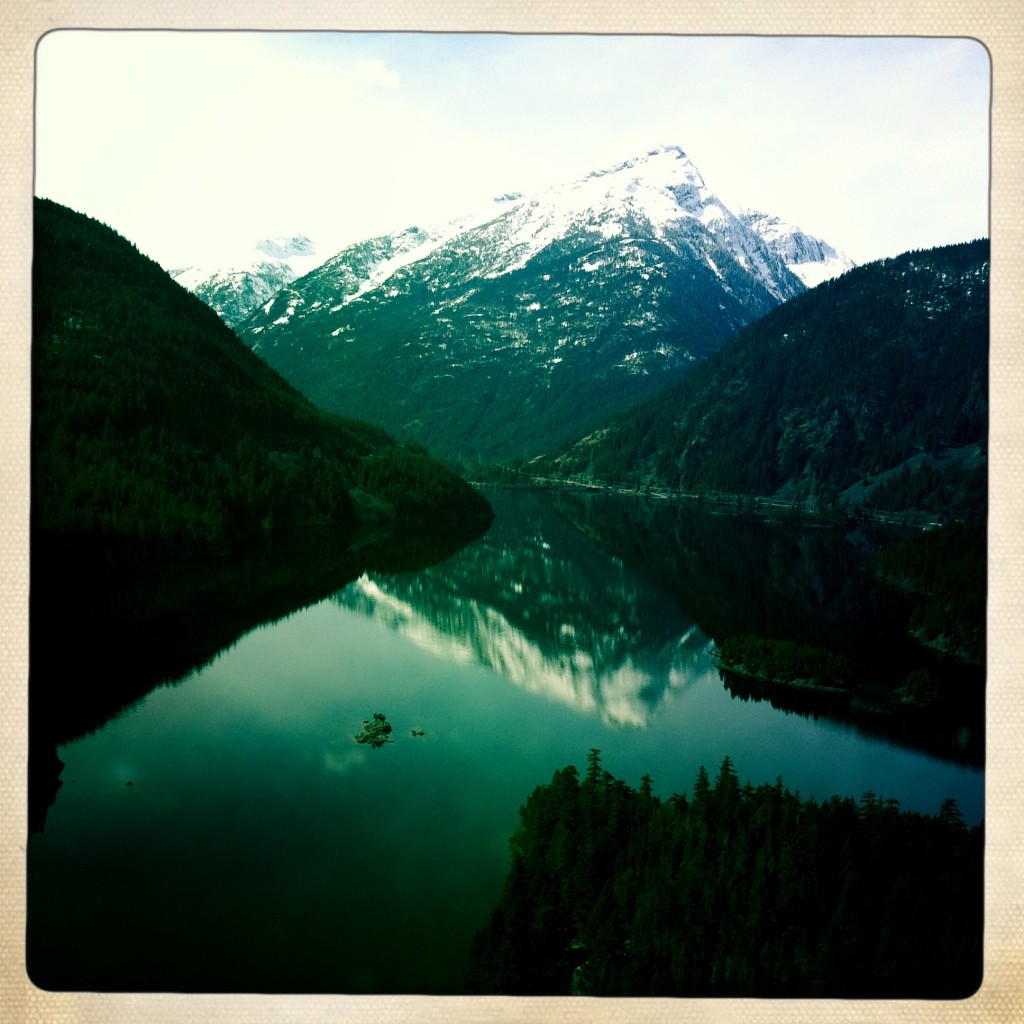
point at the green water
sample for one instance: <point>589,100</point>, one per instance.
<point>228,833</point>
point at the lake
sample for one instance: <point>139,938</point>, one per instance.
<point>227,832</point>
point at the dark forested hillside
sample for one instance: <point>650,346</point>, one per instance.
<point>153,424</point>
<point>870,390</point>
<point>732,891</point>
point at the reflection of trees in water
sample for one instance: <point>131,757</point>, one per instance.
<point>102,637</point>
<point>608,603</point>
<point>736,575</point>
<point>954,735</point>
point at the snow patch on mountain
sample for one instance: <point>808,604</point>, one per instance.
<point>293,249</point>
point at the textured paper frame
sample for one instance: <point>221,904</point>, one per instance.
<point>995,23</point>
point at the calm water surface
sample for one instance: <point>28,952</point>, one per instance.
<point>228,833</point>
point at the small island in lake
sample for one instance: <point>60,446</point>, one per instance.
<point>376,731</point>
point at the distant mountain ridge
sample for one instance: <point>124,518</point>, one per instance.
<point>237,287</point>
<point>508,331</point>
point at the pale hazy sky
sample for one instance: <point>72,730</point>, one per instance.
<point>187,142</point>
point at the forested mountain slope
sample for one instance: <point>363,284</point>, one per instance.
<point>153,424</point>
<point>868,390</point>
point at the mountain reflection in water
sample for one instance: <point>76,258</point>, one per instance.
<point>621,675</point>
<point>535,601</point>
<point>610,605</point>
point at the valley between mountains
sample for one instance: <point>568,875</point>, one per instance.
<point>628,329</point>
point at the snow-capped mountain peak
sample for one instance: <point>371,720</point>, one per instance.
<point>811,259</point>
<point>572,302</point>
<point>654,160</point>
<point>660,195</point>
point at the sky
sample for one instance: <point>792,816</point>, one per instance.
<point>194,145</point>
